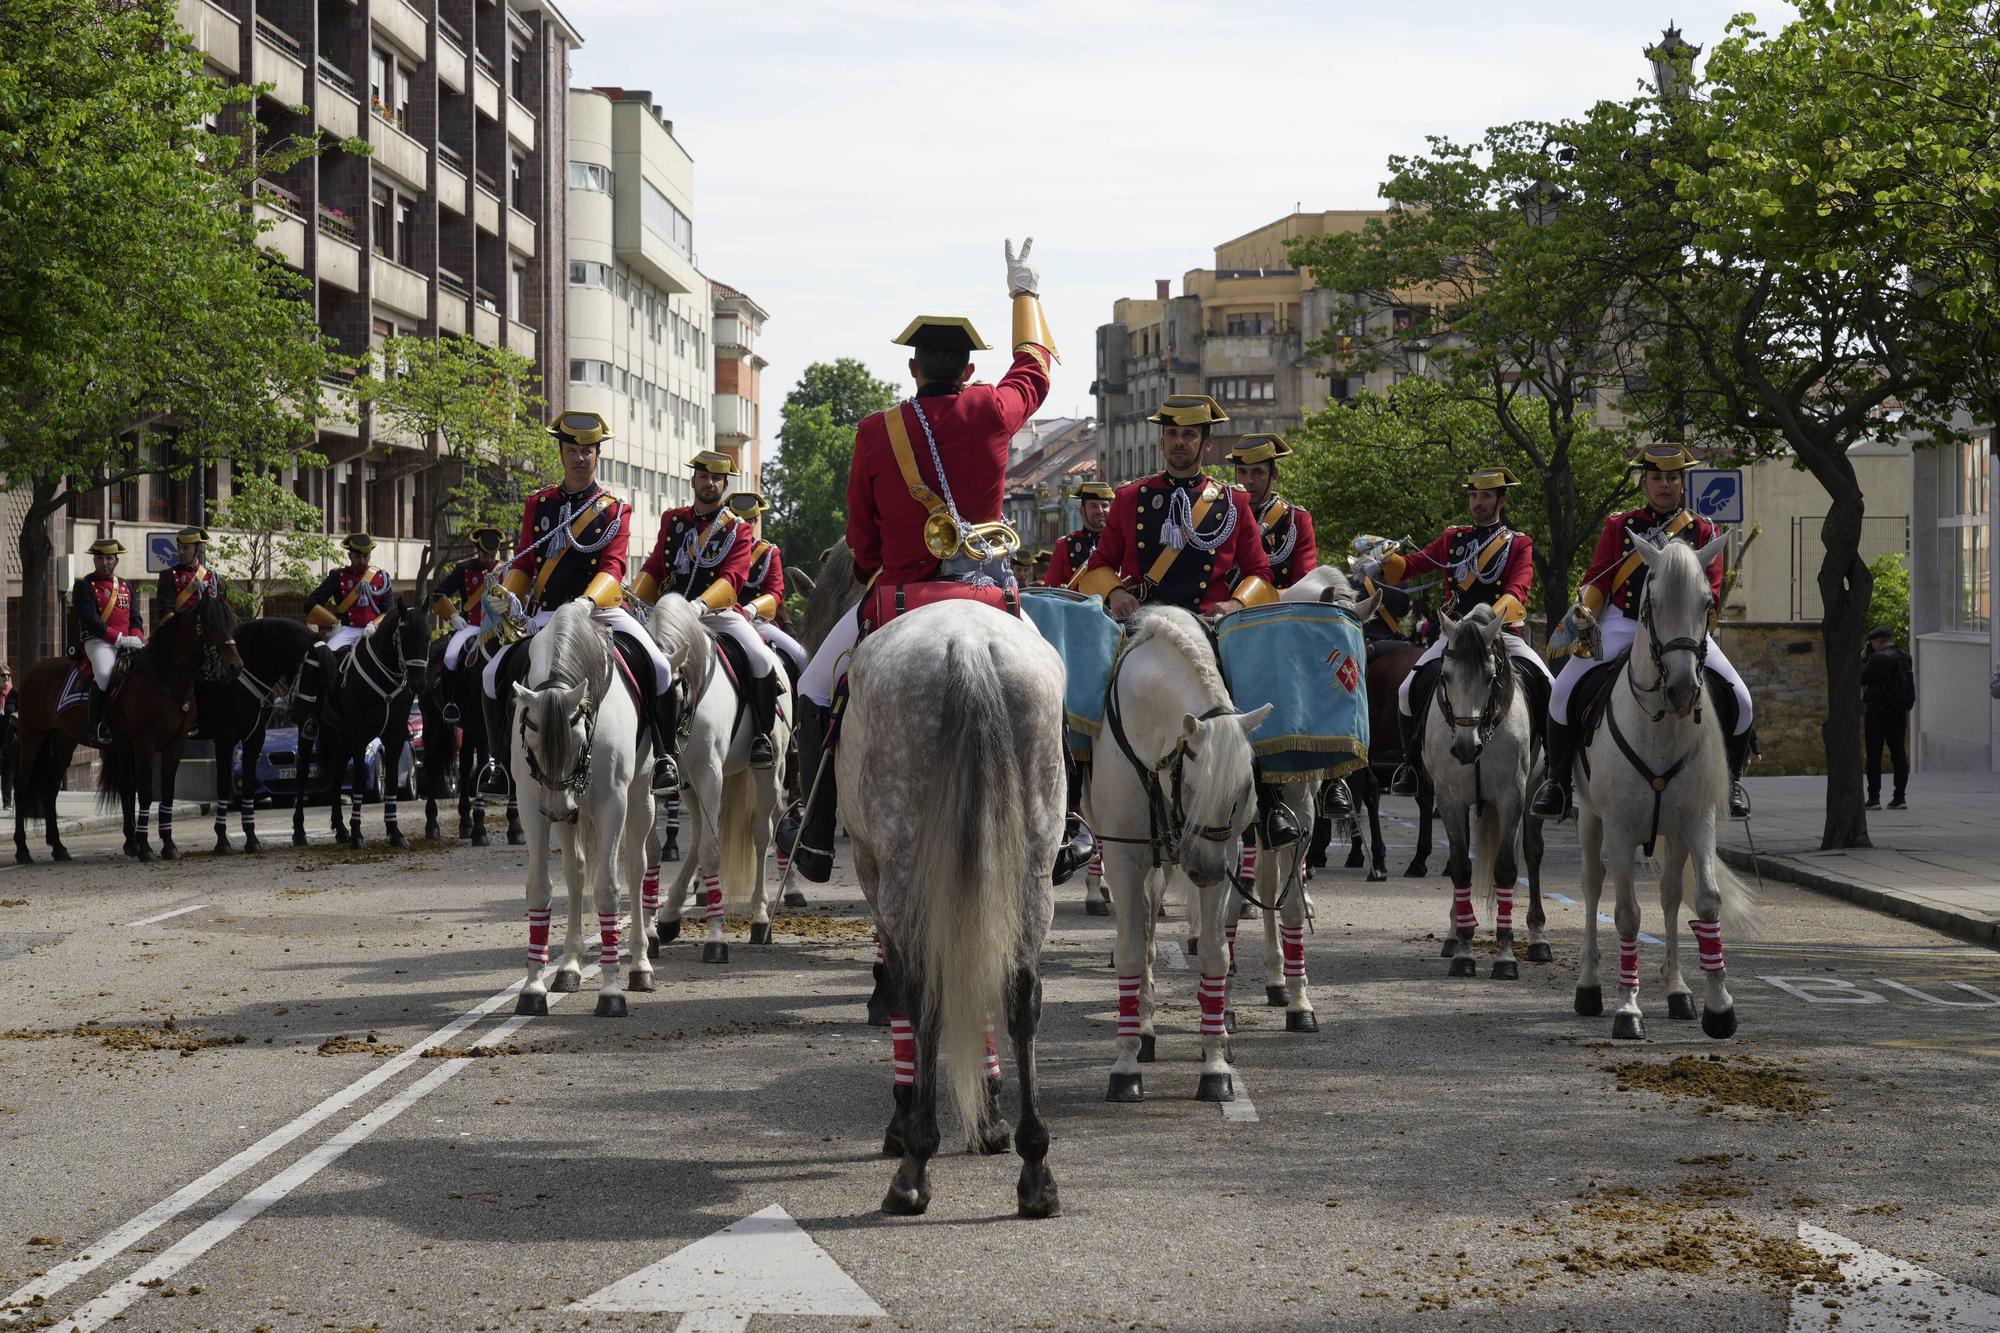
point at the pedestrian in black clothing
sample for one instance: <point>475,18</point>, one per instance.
<point>10,735</point>
<point>1888,693</point>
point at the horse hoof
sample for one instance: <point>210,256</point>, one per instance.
<point>464,831</point>
<point>1215,1088</point>
<point>1243,910</point>
<point>567,982</point>
<point>1193,945</point>
<point>1448,948</point>
<point>22,857</point>
<point>760,932</point>
<point>299,839</point>
<point>1464,967</point>
<point>1126,1088</point>
<point>144,852</point>
<point>1417,870</point>
<point>1096,906</point>
<point>480,838</point>
<point>671,852</point>
<point>1590,1001</point>
<point>1301,1020</point>
<point>355,841</point>
<point>670,931</point>
<point>995,1139</point>
<point>1540,952</point>
<point>169,852</point>
<point>399,840</point>
<point>1719,1023</point>
<point>251,847</point>
<point>1354,861</point>
<point>515,838</point>
<point>59,854</point>
<point>434,833</point>
<point>1148,1045</point>
<point>640,983</point>
<point>1680,1005</point>
<point>1627,1026</point>
<point>222,847</point>
<point>1377,875</point>
<point>1229,1020</point>
<point>1038,1201</point>
<point>1505,969</point>
<point>1276,997</point>
<point>611,1006</point>
<point>900,1202</point>
<point>715,951</point>
<point>534,1004</point>
<point>878,1012</point>
<point>795,898</point>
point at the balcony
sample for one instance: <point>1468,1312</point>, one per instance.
<point>279,60</point>
<point>451,58</point>
<point>403,24</point>
<point>521,339</point>
<point>451,188</point>
<point>486,93</point>
<point>285,214</point>
<point>397,153</point>
<point>451,314</point>
<point>215,31</point>
<point>485,210</point>
<point>521,125</point>
<point>734,416</point>
<point>520,231</point>
<point>337,109</point>
<point>485,326</point>
<point>339,255</point>
<point>403,290</point>
<point>339,413</point>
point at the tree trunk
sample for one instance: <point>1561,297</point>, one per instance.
<point>1844,588</point>
<point>37,554</point>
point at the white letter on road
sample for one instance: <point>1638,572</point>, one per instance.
<point>1986,999</point>
<point>1830,990</point>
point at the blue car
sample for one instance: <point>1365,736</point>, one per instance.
<point>278,766</point>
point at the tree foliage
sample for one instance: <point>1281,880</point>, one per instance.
<point>806,486</point>
<point>271,539</point>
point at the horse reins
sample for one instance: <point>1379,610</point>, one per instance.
<point>1489,718</point>
<point>579,774</point>
<point>354,664</point>
<point>1657,651</point>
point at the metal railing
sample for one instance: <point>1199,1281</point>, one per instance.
<point>336,76</point>
<point>278,197</point>
<point>281,39</point>
<point>337,223</point>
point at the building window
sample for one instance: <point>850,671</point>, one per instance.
<point>517,181</point>
<point>585,273</point>
<point>406,230</point>
<point>1965,557</point>
<point>1250,323</point>
<point>517,293</point>
<point>517,70</point>
<point>666,221</point>
<point>589,372</point>
<point>389,87</point>
<point>1244,389</point>
<point>393,219</point>
<point>589,176</point>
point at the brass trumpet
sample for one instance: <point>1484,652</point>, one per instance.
<point>945,538</point>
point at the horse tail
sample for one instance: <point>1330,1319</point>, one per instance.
<point>971,859</point>
<point>111,782</point>
<point>1486,852</point>
<point>739,835</point>
<point>1741,914</point>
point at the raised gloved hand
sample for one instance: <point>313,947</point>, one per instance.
<point>1368,568</point>
<point>457,621</point>
<point>1022,279</point>
<point>129,641</point>
<point>1573,632</point>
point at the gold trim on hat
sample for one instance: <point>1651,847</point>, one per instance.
<point>1189,409</point>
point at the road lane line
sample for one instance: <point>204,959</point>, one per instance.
<point>1565,898</point>
<point>165,916</point>
<point>225,1224</point>
<point>1242,1110</point>
<point>124,1237</point>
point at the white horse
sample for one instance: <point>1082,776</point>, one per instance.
<point>729,805</point>
<point>1653,773</point>
<point>579,748</point>
<point>950,766</point>
<point>1171,791</point>
<point>1478,749</point>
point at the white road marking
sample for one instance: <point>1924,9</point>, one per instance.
<point>121,1239</point>
<point>165,916</point>
<point>1565,898</point>
<point>1172,954</point>
<point>1242,1110</point>
<point>1888,1294</point>
<point>763,1264</point>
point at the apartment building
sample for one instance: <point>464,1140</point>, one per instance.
<point>739,380</point>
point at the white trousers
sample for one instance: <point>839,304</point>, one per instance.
<point>1619,633</point>
<point>614,618</point>
<point>102,657</point>
<point>829,664</point>
<point>1517,647</point>
<point>454,652</point>
<point>763,658</point>
<point>786,646</point>
<point>342,636</point>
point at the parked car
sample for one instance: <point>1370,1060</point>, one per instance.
<point>278,766</point>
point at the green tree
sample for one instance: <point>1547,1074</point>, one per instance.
<point>1889,595</point>
<point>467,415</point>
<point>271,539</point>
<point>142,329</point>
<point>806,485</point>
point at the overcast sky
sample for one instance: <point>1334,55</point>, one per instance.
<point>859,162</point>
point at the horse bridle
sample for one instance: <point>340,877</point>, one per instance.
<point>1166,810</point>
<point>579,773</point>
<point>1488,719</point>
<point>380,690</point>
<point>1657,651</point>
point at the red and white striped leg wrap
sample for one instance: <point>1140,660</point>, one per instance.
<point>1503,898</point>
<point>1249,863</point>
<point>1214,993</point>
<point>649,889</point>
<point>1293,940</point>
<point>992,1054</point>
<point>903,1041</point>
<point>1708,938</point>
<point>784,862</point>
<point>1096,868</point>
<point>607,942</point>
<point>538,936</point>
<point>880,957</point>
<point>1628,961</point>
<point>711,892</point>
<point>1229,934</point>
<point>1128,1006</point>
<point>1462,915</point>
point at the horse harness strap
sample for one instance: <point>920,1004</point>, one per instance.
<point>1658,781</point>
<point>579,773</point>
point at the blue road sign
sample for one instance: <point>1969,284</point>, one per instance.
<point>162,551</point>
<point>1716,494</point>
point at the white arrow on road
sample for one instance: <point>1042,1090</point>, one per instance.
<point>764,1264</point>
<point>1889,1296</point>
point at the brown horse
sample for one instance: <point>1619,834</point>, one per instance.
<point>1389,663</point>
<point>149,717</point>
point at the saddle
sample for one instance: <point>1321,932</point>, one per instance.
<point>635,664</point>
<point>1591,699</point>
<point>884,602</point>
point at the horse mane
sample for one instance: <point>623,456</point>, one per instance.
<point>1679,576</point>
<point>1180,631</point>
<point>834,594</point>
<point>578,650</point>
<point>1475,622</point>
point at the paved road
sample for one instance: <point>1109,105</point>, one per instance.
<point>1442,1154</point>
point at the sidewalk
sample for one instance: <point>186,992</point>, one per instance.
<point>1937,863</point>
<point>77,814</point>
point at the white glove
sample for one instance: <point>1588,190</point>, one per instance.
<point>1570,630</point>
<point>1370,567</point>
<point>129,641</point>
<point>457,621</point>
<point>1369,544</point>
<point>1022,279</point>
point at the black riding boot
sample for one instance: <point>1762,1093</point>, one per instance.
<point>1078,846</point>
<point>305,699</point>
<point>445,688</point>
<point>100,730</point>
<point>495,778</point>
<point>812,855</point>
<point>1339,800</point>
<point>763,717</point>
<point>1276,825</point>
<point>1552,800</point>
<point>1737,748</point>
<point>667,741</point>
<point>1407,780</point>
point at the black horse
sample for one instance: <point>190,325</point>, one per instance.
<point>369,696</point>
<point>238,712</point>
<point>463,746</point>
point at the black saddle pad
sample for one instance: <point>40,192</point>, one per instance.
<point>1587,701</point>
<point>638,662</point>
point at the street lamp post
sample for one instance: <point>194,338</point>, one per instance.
<point>1673,64</point>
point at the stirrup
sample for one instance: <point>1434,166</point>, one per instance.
<point>666,775</point>
<point>1551,801</point>
<point>309,727</point>
<point>1403,782</point>
<point>812,863</point>
<point>1739,800</point>
<point>762,753</point>
<point>450,714</point>
<point>1078,846</point>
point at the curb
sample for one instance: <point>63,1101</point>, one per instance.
<point>1971,929</point>
<point>75,828</point>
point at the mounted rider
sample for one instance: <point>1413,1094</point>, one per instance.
<point>347,601</point>
<point>1067,559</point>
<point>1286,528</point>
<point>574,536</point>
<point>1606,611</point>
<point>703,553</point>
<point>187,579</point>
<point>1180,538</point>
<point>459,604</point>
<point>107,622</point>
<point>924,498</point>
<point>762,596</point>
<point>1483,563</point>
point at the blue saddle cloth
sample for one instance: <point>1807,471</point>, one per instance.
<point>1309,661</point>
<point>1077,628</point>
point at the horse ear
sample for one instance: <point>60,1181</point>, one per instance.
<point>522,693</point>
<point>1647,552</point>
<point>1253,719</point>
<point>1365,611</point>
<point>1450,625</point>
<point>1713,549</point>
<point>1190,725</point>
<point>573,697</point>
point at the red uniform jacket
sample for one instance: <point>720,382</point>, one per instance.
<point>1069,557</point>
<point>1197,579</point>
<point>104,607</point>
<point>1288,541</point>
<point>1476,577</point>
<point>679,563</point>
<point>598,549</point>
<point>368,606</point>
<point>1615,543</point>
<point>765,578</point>
<point>465,584</point>
<point>173,585</point>
<point>973,426</point>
